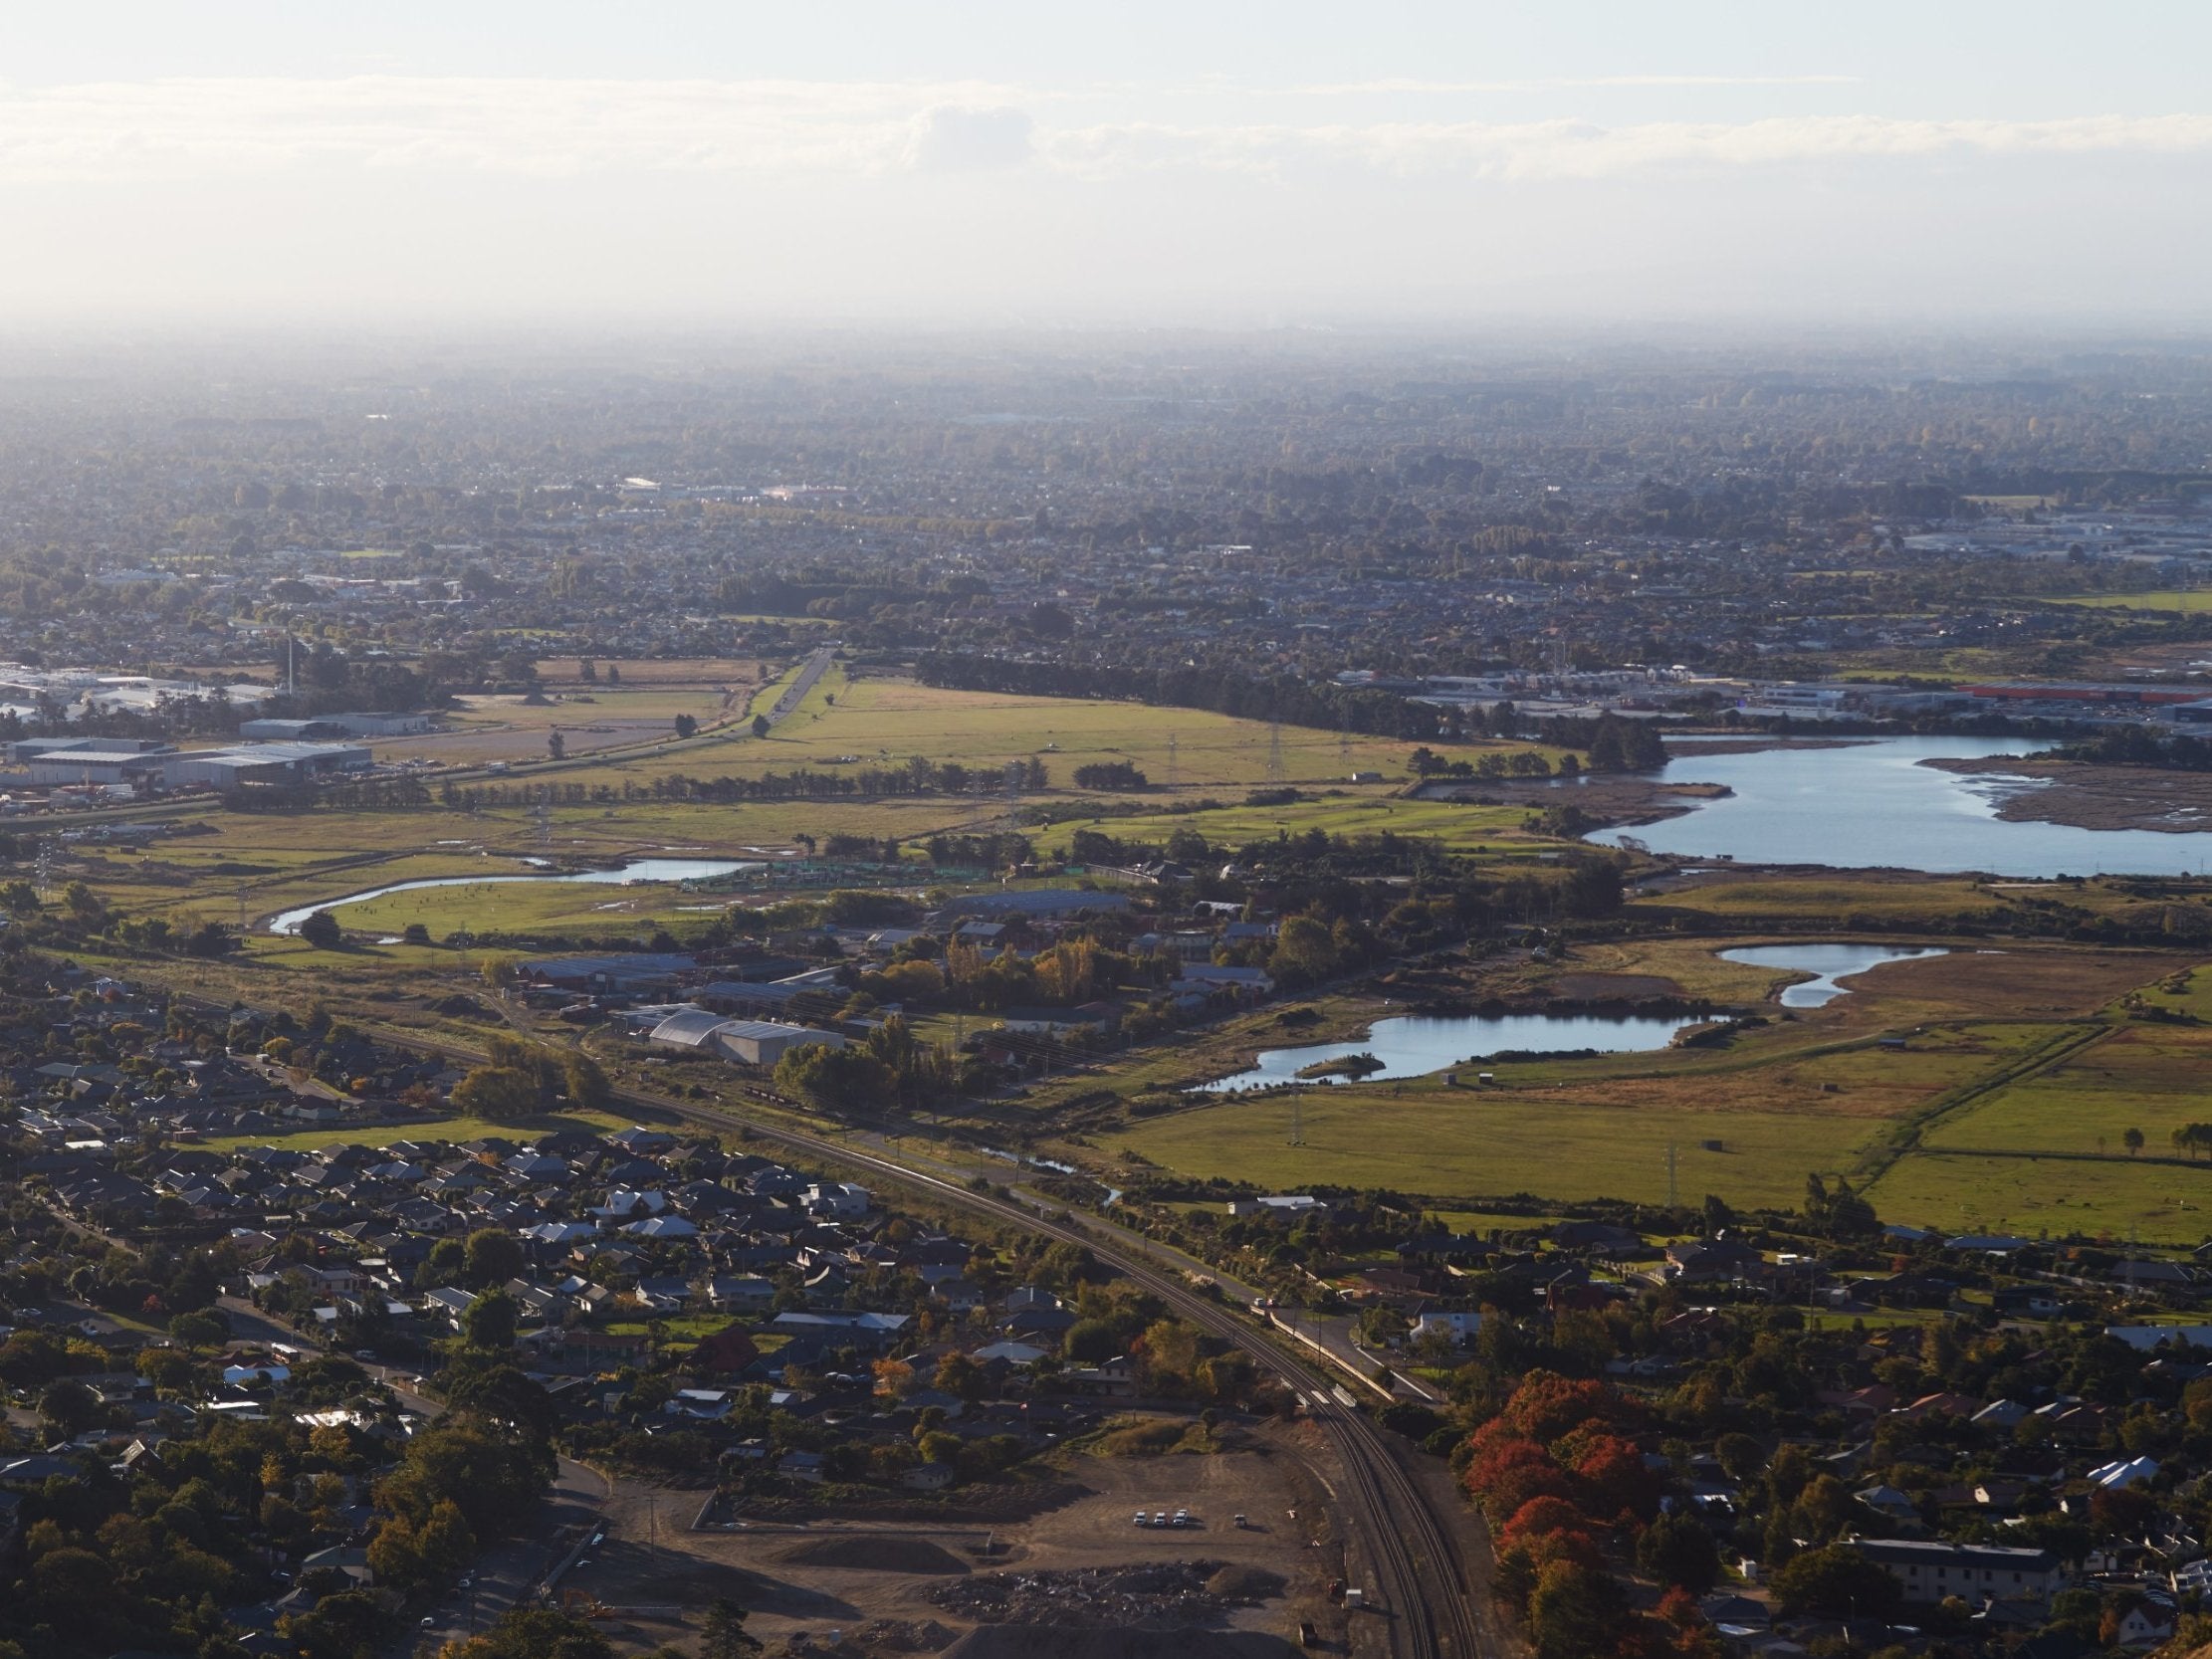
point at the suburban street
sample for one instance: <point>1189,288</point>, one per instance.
<point>504,1574</point>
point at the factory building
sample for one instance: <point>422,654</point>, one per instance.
<point>53,761</point>
<point>227,768</point>
<point>320,727</point>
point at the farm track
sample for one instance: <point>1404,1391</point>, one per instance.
<point>1910,1136</point>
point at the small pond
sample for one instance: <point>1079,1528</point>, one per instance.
<point>1828,963</point>
<point>1415,1045</point>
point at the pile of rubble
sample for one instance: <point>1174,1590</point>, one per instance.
<point>1160,1594</point>
<point>883,1635</point>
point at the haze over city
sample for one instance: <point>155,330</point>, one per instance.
<point>1224,165</point>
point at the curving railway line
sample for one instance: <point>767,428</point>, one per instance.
<point>1422,1586</point>
<point>1421,1589</point>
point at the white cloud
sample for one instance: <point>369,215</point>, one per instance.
<point>1580,150</point>
<point>211,129</point>
<point>951,139</point>
<point>1408,85</point>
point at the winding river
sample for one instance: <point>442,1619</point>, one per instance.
<point>627,875</point>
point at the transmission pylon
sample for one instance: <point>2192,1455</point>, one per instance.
<point>1173,775</point>
<point>1014,797</point>
<point>1274,752</point>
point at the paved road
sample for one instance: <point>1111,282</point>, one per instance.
<point>510,1572</point>
<point>794,694</point>
<point>505,1574</point>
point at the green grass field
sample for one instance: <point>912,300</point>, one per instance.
<point>2183,601</point>
<point>450,1129</point>
<point>283,861</point>
<point>1459,1142</point>
<point>2111,1197</point>
<point>1811,1093</point>
<point>1471,829</point>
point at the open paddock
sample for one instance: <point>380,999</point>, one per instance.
<point>1464,1143</point>
<point>2109,1198</point>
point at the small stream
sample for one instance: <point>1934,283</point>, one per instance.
<point>628,875</point>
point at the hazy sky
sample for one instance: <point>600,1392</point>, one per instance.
<point>1283,164</point>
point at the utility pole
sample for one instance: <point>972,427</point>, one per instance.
<point>1673,1199</point>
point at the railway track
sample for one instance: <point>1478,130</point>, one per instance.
<point>1422,1588</point>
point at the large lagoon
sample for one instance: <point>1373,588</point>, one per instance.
<point>1869,805</point>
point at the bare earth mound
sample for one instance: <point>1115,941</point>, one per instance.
<point>876,1554</point>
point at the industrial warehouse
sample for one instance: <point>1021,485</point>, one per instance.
<point>58,762</point>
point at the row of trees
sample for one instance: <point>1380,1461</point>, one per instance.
<point>1294,701</point>
<point>522,1080</point>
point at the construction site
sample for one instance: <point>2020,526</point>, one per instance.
<point>1255,1569</point>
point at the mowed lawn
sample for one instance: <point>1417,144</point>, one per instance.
<point>1468,1145</point>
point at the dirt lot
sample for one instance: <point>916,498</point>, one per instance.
<point>875,1584</point>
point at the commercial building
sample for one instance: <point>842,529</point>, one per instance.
<point>227,768</point>
<point>60,762</point>
<point>750,1041</point>
<point>323,726</point>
